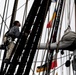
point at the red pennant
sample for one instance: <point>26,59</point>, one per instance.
<point>49,25</point>
<point>54,64</point>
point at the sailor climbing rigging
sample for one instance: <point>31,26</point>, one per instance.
<point>9,37</point>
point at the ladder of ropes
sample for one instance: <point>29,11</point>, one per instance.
<point>26,45</point>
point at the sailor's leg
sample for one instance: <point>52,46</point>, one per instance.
<point>9,51</point>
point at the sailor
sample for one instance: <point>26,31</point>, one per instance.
<point>67,42</point>
<point>9,38</point>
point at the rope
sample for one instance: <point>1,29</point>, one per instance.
<point>6,15</point>
<point>55,68</point>
<point>60,30</point>
<point>5,23</point>
<point>24,17</point>
<point>59,57</point>
<point>17,10</point>
<point>47,38</point>
<point>43,51</point>
<point>25,12</point>
<point>54,59</point>
<point>36,57</point>
<point>58,67</point>
<point>47,72</point>
<point>3,16</point>
<point>56,54</point>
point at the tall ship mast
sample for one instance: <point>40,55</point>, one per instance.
<point>43,22</point>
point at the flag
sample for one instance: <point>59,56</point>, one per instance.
<point>54,64</point>
<point>44,66</point>
<point>49,25</point>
